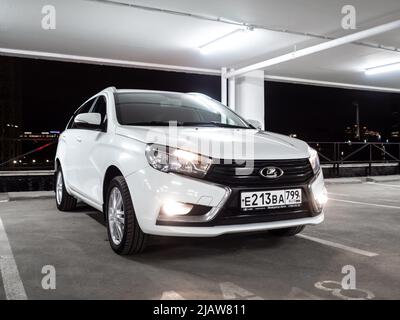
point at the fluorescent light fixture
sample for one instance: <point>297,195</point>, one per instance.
<point>226,41</point>
<point>383,69</point>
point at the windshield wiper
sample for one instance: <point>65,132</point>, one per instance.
<point>227,125</point>
<point>186,124</point>
<point>155,123</point>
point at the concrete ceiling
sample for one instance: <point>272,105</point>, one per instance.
<point>103,30</point>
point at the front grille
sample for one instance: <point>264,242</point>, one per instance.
<point>232,214</point>
<point>297,171</point>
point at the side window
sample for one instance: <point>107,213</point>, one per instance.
<point>100,106</point>
<point>83,109</point>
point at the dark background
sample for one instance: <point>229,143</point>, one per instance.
<point>49,92</point>
<point>322,113</point>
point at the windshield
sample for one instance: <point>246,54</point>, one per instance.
<point>186,109</point>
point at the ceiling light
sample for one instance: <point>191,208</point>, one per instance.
<point>224,42</point>
<point>383,69</point>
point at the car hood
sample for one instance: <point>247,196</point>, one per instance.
<point>221,143</point>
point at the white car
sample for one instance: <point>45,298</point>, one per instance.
<point>172,164</point>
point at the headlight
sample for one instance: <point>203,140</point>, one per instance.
<point>314,160</point>
<point>168,159</point>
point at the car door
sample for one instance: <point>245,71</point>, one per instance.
<point>72,138</point>
<point>93,154</point>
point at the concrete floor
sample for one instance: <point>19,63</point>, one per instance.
<point>362,229</point>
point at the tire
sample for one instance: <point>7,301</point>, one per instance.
<point>128,238</point>
<point>64,201</point>
<point>287,232</point>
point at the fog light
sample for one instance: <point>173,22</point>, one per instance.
<point>322,198</point>
<point>174,208</point>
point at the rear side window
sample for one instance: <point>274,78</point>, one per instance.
<point>83,109</point>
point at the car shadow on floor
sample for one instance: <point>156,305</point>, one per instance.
<point>163,246</point>
<point>90,212</point>
<point>167,247</point>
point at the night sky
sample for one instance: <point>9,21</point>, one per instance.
<point>51,91</point>
<point>322,113</point>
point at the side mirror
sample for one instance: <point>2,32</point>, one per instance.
<point>255,123</point>
<point>88,120</point>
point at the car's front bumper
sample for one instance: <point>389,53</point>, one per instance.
<point>150,189</point>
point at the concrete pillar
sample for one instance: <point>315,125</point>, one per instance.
<point>224,89</point>
<point>250,96</point>
<point>232,93</point>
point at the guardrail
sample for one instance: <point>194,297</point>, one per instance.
<point>370,154</point>
<point>334,154</point>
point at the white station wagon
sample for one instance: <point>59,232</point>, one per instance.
<point>182,164</point>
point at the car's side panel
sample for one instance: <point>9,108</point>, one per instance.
<point>66,152</point>
<point>93,159</point>
<point>109,150</point>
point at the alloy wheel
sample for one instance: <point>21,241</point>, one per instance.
<point>116,216</point>
<point>59,187</point>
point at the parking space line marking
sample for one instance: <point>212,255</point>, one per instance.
<point>339,246</point>
<point>13,286</point>
<point>350,195</point>
<point>395,186</point>
<point>366,203</point>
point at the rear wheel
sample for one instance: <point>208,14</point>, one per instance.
<point>287,232</point>
<point>64,201</point>
<point>124,233</point>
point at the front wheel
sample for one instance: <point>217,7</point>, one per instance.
<point>124,233</point>
<point>287,232</point>
<point>64,201</point>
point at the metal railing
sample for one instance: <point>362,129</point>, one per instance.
<point>340,154</point>
<point>336,154</point>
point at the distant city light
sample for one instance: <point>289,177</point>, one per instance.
<point>34,161</point>
<point>41,135</point>
<point>47,160</point>
<point>15,161</point>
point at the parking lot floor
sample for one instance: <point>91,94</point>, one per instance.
<point>358,243</point>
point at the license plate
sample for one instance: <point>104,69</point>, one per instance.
<point>274,199</point>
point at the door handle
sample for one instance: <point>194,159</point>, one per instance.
<point>79,139</point>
